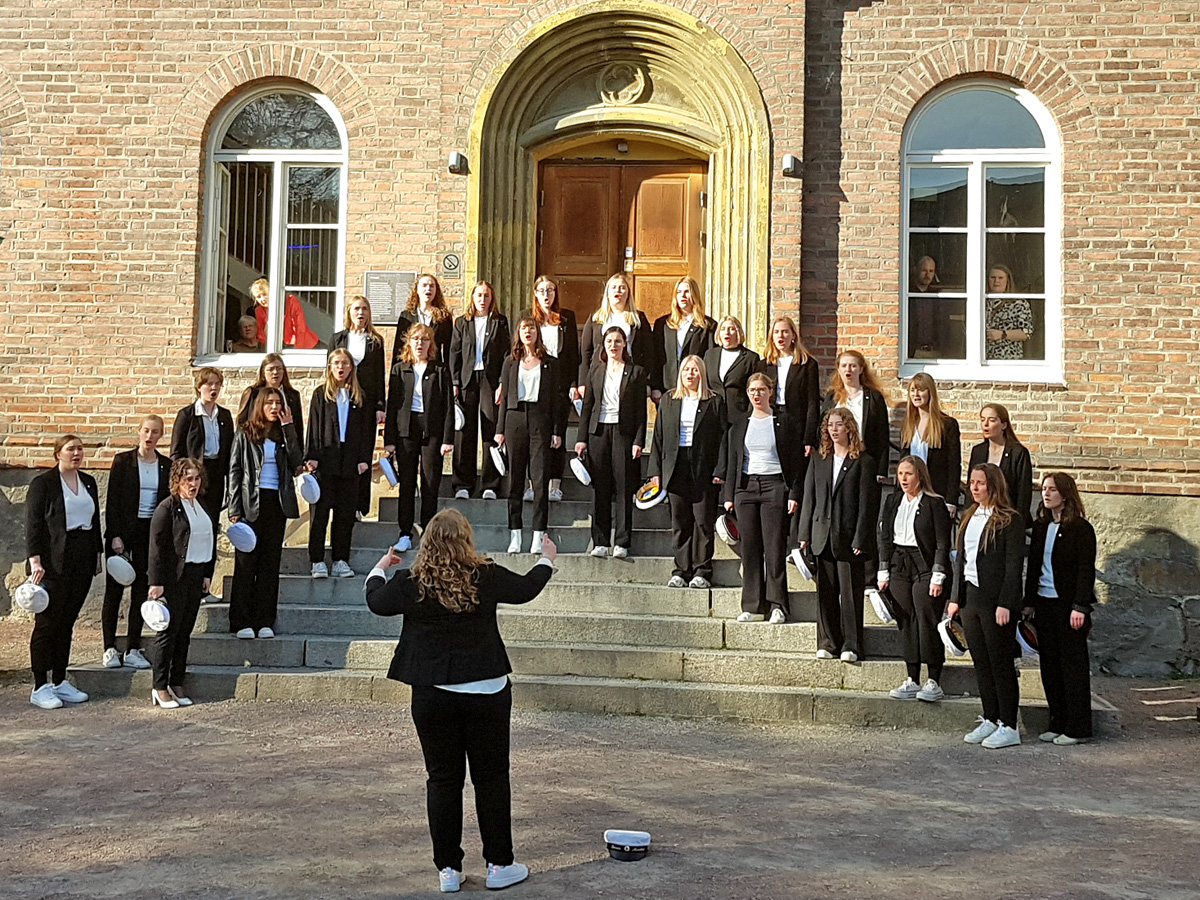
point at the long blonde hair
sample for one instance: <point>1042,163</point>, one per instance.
<point>447,561</point>
<point>407,353</point>
<point>912,416</point>
<point>867,378</point>
<point>352,385</point>
<point>348,324</point>
<point>800,353</point>
<point>699,319</point>
<point>1003,512</point>
<point>631,310</point>
<point>857,447</point>
<point>680,391</point>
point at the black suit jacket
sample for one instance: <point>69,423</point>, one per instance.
<point>945,462</point>
<point>443,334</point>
<point>437,397</point>
<point>496,346</point>
<point>876,430</point>
<point>707,456</point>
<point>632,414</point>
<point>187,437</point>
<point>1073,561</point>
<point>733,386</point>
<point>1017,467</point>
<point>438,646</point>
<point>245,470</point>
<point>591,345</point>
<point>170,531</point>
<point>371,373</point>
<point>125,491</point>
<point>46,519</point>
<point>323,441</point>
<point>931,527</point>
<point>568,345</point>
<point>791,458</point>
<point>802,396</point>
<point>665,373</point>
<point>291,397</point>
<point>551,405</point>
<point>841,516</point>
<point>998,567</point>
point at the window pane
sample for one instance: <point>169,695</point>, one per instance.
<point>308,319</point>
<point>937,263</point>
<point>311,259</point>
<point>1024,320</point>
<point>243,236</point>
<point>1024,256</point>
<point>280,122</point>
<point>313,195</point>
<point>937,327</point>
<point>937,197</point>
<point>970,119</point>
<point>1016,197</point>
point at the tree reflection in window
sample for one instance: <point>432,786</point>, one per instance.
<point>282,122</point>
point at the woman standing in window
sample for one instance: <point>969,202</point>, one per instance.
<point>1060,583</point>
<point>365,344</point>
<point>837,520</point>
<point>533,419</point>
<point>612,432</point>
<point>560,336</point>
<point>1009,320</point>
<point>987,591</point>
<point>932,436</point>
<point>296,332</point>
<point>272,373</point>
<point>426,306</point>
<point>477,351</point>
<point>336,445</point>
<point>420,425</point>
<point>261,491</point>
<point>204,430</point>
<point>685,331</point>
<point>687,461</point>
<point>914,560</point>
<point>617,310</point>
<point>730,364</point>
<point>1001,447</point>
<point>65,552</point>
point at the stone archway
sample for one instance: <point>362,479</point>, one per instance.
<point>635,70</point>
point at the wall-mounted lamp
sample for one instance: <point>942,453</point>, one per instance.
<point>458,164</point>
<point>792,166</point>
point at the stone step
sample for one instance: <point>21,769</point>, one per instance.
<point>564,513</point>
<point>494,538</point>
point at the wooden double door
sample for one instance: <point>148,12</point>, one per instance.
<point>643,219</point>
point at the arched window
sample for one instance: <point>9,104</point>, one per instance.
<point>981,290</point>
<point>275,228</point>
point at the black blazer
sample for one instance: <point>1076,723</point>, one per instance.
<point>733,386</point>
<point>437,397</point>
<point>931,526</point>
<point>632,414</point>
<point>591,345</point>
<point>791,458</point>
<point>998,567</point>
<point>1017,467</point>
<point>568,345</point>
<point>438,646</point>
<point>802,394</point>
<point>46,519</point>
<point>841,516</point>
<point>551,403</point>
<point>665,374</point>
<point>125,491</point>
<point>370,371</point>
<point>945,462</point>
<point>323,441</point>
<point>496,345</point>
<point>187,436</point>
<point>443,334</point>
<point>876,430</point>
<point>707,457</point>
<point>291,397</point>
<point>170,531</point>
<point>245,469</point>
<point>1073,561</point>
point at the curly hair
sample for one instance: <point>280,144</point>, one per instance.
<point>447,561</point>
<point>181,468</point>
<point>857,448</point>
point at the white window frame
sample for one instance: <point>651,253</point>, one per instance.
<point>976,162</point>
<point>207,354</point>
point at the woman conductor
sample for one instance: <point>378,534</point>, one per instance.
<point>685,331</point>
<point>933,436</point>
<point>687,461</point>
<point>1001,447</point>
<point>204,430</point>
<point>451,653</point>
<point>561,339</point>
<point>65,552</point>
<point>730,364</point>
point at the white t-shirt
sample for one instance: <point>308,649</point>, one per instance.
<point>728,357</point>
<point>610,398</point>
<point>529,383</point>
<point>838,462</point>
<point>687,420</point>
<point>200,538</point>
<point>356,345</point>
<point>781,370</point>
<point>1046,586</point>
<point>418,397</point>
<point>550,339</point>
<point>971,543</point>
<point>762,456</point>
<point>480,323</point>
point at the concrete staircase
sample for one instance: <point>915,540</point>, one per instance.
<point>605,636</point>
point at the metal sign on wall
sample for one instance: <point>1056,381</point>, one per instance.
<point>387,292</point>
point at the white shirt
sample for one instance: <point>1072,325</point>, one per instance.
<point>971,543</point>
<point>838,462</point>
<point>550,339</point>
<point>529,383</point>
<point>919,447</point>
<point>855,405</point>
<point>425,318</point>
<point>762,456</point>
<point>80,507</point>
<point>617,320</point>
<point>343,408</point>
<point>610,398</point>
<point>1046,581</point>
<point>727,359</point>
<point>418,397</point>
<point>200,538</point>
<point>268,478</point>
<point>212,430</point>
<point>681,334</point>
<point>687,420</point>
<point>356,345</point>
<point>480,323</point>
<point>147,488</point>
<point>781,369</point>
<point>903,534</point>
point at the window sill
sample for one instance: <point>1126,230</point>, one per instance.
<point>999,373</point>
<point>293,359</point>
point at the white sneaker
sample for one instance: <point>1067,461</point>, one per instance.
<point>112,660</point>
<point>556,495</point>
<point>824,654</point>
<point>320,570</point>
<point>403,544</point>
<point>68,693</point>
<point>931,692</point>
<point>460,494</point>
<point>246,634</point>
<point>535,545</point>
<point>45,697</point>
<point>341,569</point>
<point>504,876</point>
<point>749,617</point>
<point>600,551</point>
<point>1065,740</point>
<point>699,581</point>
<point>1003,736</point>
<point>136,659</point>
<point>514,540</point>
<point>906,691</point>
<point>676,582</point>
<point>849,656</point>
<point>266,633</point>
<point>489,494</point>
<point>1047,737</point>
<point>449,880</point>
<point>620,552</point>
<point>528,495</point>
<point>777,617</point>
<point>982,731</point>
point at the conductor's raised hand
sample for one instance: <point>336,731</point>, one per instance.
<point>549,548</point>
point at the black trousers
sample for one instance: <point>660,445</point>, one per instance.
<point>614,474</point>
<point>1066,669</point>
<point>556,462</point>
<point>171,646</point>
<point>254,597</point>
<point>478,400</point>
<point>50,642</point>
<point>992,650</point>
<point>137,546</point>
<point>527,436</point>
<point>693,515</point>
<point>917,614</point>
<point>840,586</point>
<point>760,503</point>
<point>215,481</point>
<point>339,496</point>
<point>454,730</point>
<point>413,454</point>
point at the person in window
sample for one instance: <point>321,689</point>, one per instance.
<point>685,331</point>
<point>365,345</point>
<point>1009,319</point>
<point>932,436</point>
<point>204,430</point>
<point>426,306</point>
<point>296,332</point>
<point>924,330</point>
<point>1001,447</point>
<point>730,364</point>
<point>617,310</point>
<point>248,341</point>
<point>272,373</point>
<point>478,350</point>
<point>560,335</point>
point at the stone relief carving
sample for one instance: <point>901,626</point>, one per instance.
<point>622,83</point>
